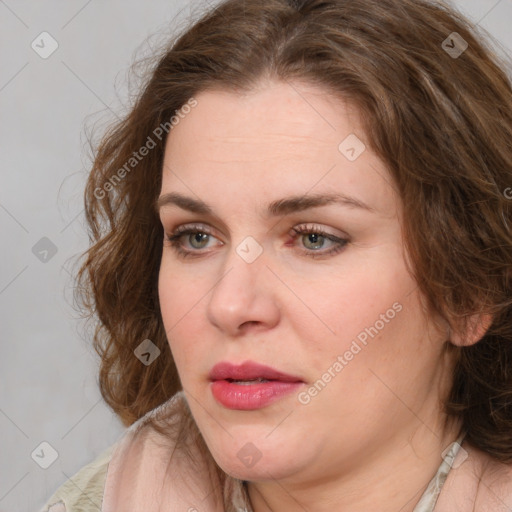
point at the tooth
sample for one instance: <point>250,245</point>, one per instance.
<point>249,382</point>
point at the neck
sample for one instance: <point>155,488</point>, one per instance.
<point>392,479</point>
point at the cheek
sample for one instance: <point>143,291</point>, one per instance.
<point>181,302</point>
<point>362,322</point>
<point>344,306</point>
<point>356,376</point>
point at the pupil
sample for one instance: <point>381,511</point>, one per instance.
<point>314,238</point>
<point>199,238</point>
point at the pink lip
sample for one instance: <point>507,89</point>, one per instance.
<point>247,371</point>
<point>233,395</point>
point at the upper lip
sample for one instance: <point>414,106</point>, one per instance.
<point>247,371</point>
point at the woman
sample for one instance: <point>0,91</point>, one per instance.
<point>302,267</point>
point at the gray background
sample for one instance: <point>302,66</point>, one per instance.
<point>48,383</point>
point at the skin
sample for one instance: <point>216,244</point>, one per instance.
<point>372,438</point>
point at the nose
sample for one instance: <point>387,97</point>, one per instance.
<point>244,298</point>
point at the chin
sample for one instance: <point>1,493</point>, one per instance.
<point>256,460</point>
<point>261,471</point>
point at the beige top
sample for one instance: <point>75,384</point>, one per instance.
<point>91,479</point>
<point>130,476</point>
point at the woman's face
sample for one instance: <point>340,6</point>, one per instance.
<point>332,306</point>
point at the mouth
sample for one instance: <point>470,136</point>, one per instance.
<point>250,385</point>
<point>249,372</point>
<point>247,382</point>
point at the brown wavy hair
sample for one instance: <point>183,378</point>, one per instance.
<point>442,125</point>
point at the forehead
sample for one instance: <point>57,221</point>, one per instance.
<point>281,137</point>
<point>271,113</point>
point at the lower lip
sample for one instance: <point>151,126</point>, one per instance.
<point>251,396</point>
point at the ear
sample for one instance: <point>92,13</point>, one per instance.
<point>477,326</point>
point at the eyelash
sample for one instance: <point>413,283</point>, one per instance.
<point>174,240</point>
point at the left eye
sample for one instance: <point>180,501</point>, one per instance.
<point>198,237</point>
<point>314,239</point>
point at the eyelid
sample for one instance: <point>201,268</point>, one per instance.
<point>197,226</point>
<point>309,227</point>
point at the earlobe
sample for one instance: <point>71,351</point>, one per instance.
<point>477,326</point>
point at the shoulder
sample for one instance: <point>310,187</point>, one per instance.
<point>477,482</point>
<point>84,490</point>
<point>494,491</point>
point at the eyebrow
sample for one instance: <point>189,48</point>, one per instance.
<point>276,208</point>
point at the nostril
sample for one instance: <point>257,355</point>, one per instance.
<point>248,325</point>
